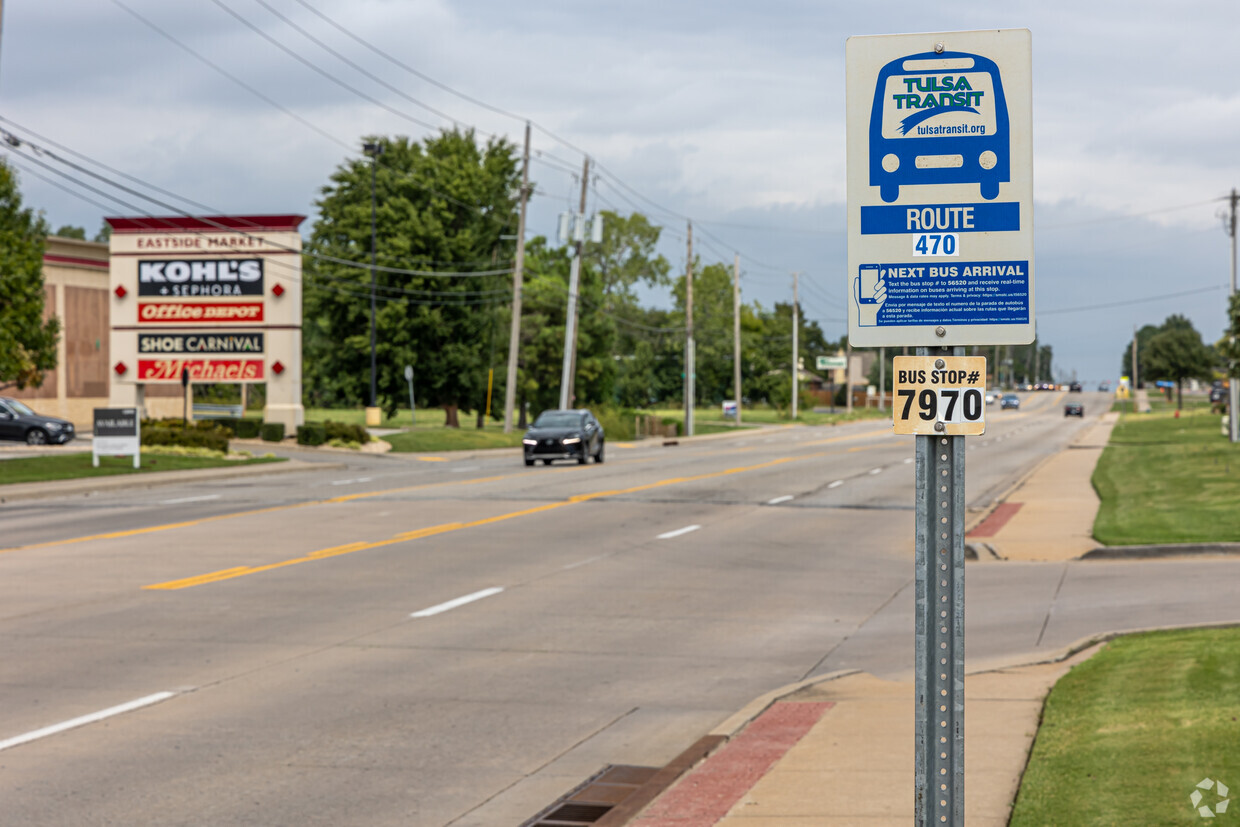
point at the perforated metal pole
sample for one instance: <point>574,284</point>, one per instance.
<point>939,761</point>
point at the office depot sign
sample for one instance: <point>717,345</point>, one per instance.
<point>200,312</point>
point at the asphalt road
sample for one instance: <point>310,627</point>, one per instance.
<point>458,642</point>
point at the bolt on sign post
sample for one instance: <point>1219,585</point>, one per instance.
<point>940,257</point>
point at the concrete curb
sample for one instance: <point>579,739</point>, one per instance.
<point>100,485</point>
<point>1157,551</point>
<point>758,705</point>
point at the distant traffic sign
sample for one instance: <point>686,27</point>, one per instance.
<point>939,396</point>
<point>832,362</point>
<point>940,189</point>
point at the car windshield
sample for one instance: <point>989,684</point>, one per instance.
<point>20,408</point>
<point>557,419</point>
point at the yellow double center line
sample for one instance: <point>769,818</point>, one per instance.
<point>350,548</point>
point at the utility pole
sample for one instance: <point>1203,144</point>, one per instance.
<point>374,150</point>
<point>574,276</point>
<point>1233,386</point>
<point>736,333</point>
<point>796,366</point>
<point>690,360</point>
<point>518,280</point>
<point>882,378</point>
<point>1133,390</point>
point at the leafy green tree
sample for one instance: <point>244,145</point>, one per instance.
<point>27,342</point>
<point>1176,353</point>
<point>69,231</point>
<point>442,205</point>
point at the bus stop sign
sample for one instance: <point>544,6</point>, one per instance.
<point>940,189</point>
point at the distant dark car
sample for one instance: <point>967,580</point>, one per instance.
<point>17,421</point>
<point>1218,395</point>
<point>1075,387</point>
<point>1074,409</point>
<point>1009,400</point>
<point>574,434</point>
<point>1104,386</point>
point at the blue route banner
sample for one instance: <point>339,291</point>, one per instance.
<point>973,293</point>
<point>1003,216</point>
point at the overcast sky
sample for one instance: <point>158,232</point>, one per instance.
<point>731,113</point>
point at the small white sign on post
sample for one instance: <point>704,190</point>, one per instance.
<point>117,432</point>
<point>940,189</point>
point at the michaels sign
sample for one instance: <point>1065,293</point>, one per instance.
<point>201,277</point>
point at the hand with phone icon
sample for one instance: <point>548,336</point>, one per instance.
<point>869,291</point>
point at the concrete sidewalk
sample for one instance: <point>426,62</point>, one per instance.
<point>853,764</point>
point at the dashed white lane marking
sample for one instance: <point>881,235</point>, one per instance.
<point>836,484</point>
<point>458,602</point>
<point>670,534</point>
<point>909,460</point>
<point>779,500</point>
<point>876,471</point>
<point>352,481</point>
<point>93,717</point>
<point>203,498</point>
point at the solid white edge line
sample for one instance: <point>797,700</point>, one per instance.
<point>202,498</point>
<point>92,718</point>
<point>779,500</point>
<point>670,534</point>
<point>460,601</point>
<point>836,484</point>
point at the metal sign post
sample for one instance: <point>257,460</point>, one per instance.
<point>940,256</point>
<point>939,758</point>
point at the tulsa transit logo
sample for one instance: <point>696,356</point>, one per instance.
<point>939,118</point>
<point>935,96</point>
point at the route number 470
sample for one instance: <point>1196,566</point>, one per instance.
<point>942,404</point>
<point>936,244</point>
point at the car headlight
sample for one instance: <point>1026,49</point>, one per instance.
<point>572,440</point>
<point>54,426</point>
<point>530,441</point>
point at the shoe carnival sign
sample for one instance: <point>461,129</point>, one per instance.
<point>201,370</point>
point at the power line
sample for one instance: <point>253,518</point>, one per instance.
<point>1131,301</point>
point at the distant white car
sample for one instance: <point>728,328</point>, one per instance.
<point>990,397</point>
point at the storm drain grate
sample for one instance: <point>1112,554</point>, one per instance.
<point>589,801</point>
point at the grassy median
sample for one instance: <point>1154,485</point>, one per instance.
<point>1127,735</point>
<point>73,466</point>
<point>1164,479</point>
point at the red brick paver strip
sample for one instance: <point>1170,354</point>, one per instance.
<point>707,794</point>
<point>997,520</point>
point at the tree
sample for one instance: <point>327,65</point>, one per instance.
<point>442,205</point>
<point>1176,353</point>
<point>1143,340</point>
<point>69,231</point>
<point>27,342</point>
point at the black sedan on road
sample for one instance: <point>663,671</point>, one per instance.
<point>1074,409</point>
<point>18,421</point>
<point>574,434</point>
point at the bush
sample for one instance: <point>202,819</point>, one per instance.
<point>227,423</point>
<point>617,422</point>
<point>248,428</point>
<point>194,436</point>
<point>346,432</point>
<point>312,433</point>
<point>272,431</point>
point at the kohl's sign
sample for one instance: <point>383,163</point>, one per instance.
<point>201,277</point>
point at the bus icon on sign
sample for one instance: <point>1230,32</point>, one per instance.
<point>939,119</point>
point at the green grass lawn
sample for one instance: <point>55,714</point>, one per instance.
<point>1168,480</point>
<point>72,466</point>
<point>1127,735</point>
<point>467,437</point>
<point>712,417</point>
